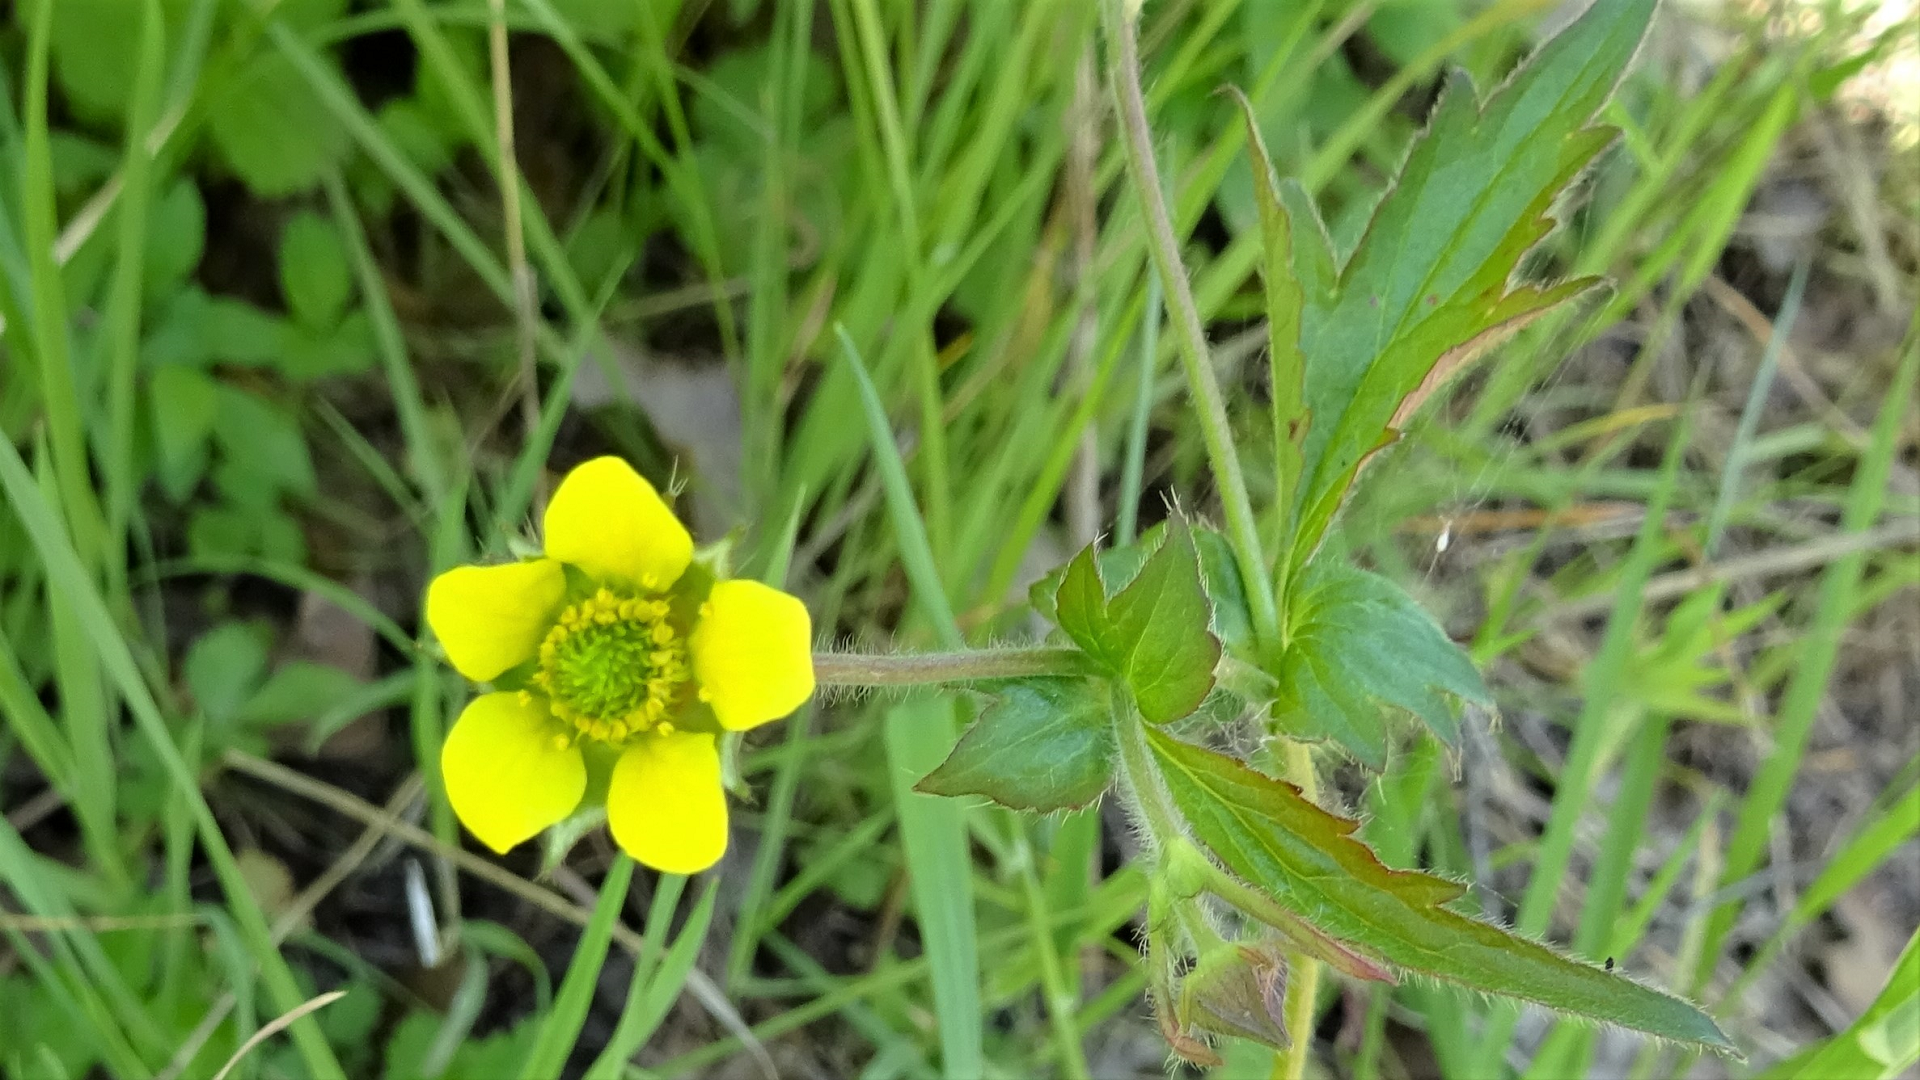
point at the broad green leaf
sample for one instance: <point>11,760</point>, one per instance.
<point>1309,862</point>
<point>315,280</point>
<point>96,48</point>
<point>1043,744</point>
<point>184,402</point>
<point>347,349</point>
<point>263,452</point>
<point>224,667</point>
<point>1155,634</point>
<point>176,236</point>
<point>235,332</point>
<point>300,690</point>
<point>1432,283</point>
<point>1362,650</point>
<point>271,129</point>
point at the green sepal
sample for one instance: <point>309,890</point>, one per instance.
<point>1238,989</point>
<point>559,839</point>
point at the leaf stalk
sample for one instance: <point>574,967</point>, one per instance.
<point>960,666</point>
<point>1208,405</point>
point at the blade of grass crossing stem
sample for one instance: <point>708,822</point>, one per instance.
<point>910,533</point>
<point>59,399</point>
<point>85,707</point>
<point>122,330</point>
<point>1569,1048</point>
<point>919,733</point>
<point>80,968</point>
<point>1750,413</point>
<point>66,571</point>
<point>412,409</point>
<point>1816,653</point>
<point>562,1026</point>
<point>890,1044</point>
<point>1574,786</point>
<point>1133,467</point>
<point>893,141</point>
<point>655,988</point>
<point>1884,831</point>
<point>778,814</point>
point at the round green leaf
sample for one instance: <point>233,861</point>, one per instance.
<point>271,129</point>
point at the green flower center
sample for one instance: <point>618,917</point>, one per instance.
<point>612,666</point>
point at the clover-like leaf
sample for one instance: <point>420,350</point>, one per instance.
<point>1155,634</point>
<point>1361,651</point>
<point>1044,744</point>
<point>1308,861</point>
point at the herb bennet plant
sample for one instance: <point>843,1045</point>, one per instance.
<point>1257,634</point>
<point>620,657</point>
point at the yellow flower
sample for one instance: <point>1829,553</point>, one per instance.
<point>614,657</point>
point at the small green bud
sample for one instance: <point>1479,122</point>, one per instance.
<point>1238,990</point>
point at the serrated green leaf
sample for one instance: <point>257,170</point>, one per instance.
<point>1117,564</point>
<point>1286,307</point>
<point>1154,635</point>
<point>315,280</point>
<point>1309,862</point>
<point>1361,648</point>
<point>1226,589</point>
<point>1043,745</point>
<point>1432,283</point>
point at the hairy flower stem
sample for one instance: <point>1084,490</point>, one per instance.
<point>924,669</point>
<point>1208,406</point>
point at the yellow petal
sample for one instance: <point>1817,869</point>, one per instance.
<point>608,521</point>
<point>490,618</point>
<point>752,653</point>
<point>666,807</point>
<point>508,772</point>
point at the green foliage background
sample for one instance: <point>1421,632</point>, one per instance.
<point>266,368</point>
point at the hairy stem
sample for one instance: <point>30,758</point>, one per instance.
<point>1208,405</point>
<point>921,669</point>
<point>1303,981</point>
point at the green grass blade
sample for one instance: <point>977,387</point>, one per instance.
<point>654,989</point>
<point>569,1015</point>
<point>1883,1044</point>
<point>1574,786</point>
<point>66,571</point>
<point>919,734</point>
<point>1814,660</point>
